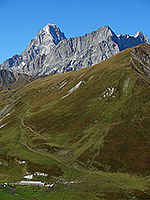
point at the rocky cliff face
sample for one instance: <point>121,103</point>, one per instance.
<point>51,53</point>
<point>6,78</point>
<point>127,41</point>
<point>40,46</point>
<point>9,79</point>
<point>76,53</point>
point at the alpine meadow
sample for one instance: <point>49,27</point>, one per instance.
<point>75,118</point>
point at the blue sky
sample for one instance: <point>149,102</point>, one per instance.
<point>21,20</point>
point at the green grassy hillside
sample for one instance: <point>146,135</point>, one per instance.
<point>89,128</point>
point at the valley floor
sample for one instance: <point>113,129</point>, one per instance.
<point>92,186</point>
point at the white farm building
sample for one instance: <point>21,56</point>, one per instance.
<point>38,183</point>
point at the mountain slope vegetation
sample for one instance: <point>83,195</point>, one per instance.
<point>90,127</point>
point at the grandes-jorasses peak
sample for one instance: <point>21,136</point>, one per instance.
<point>50,52</point>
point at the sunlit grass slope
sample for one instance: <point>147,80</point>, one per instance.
<point>91,126</point>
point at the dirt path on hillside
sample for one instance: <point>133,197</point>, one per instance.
<point>25,126</point>
<point>42,153</point>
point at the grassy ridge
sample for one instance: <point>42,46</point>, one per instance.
<point>97,135</point>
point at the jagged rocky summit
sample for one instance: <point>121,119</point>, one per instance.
<point>40,46</point>
<point>50,52</point>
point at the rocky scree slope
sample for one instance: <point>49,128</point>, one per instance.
<point>50,52</point>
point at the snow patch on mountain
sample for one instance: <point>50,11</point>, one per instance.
<point>63,84</point>
<point>72,89</point>
<point>2,125</point>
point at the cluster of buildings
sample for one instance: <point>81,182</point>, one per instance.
<point>35,183</point>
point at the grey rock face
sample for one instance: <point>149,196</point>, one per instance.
<point>127,41</point>
<point>8,78</point>
<point>80,52</point>
<point>42,44</point>
<point>76,53</point>
<point>64,55</point>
